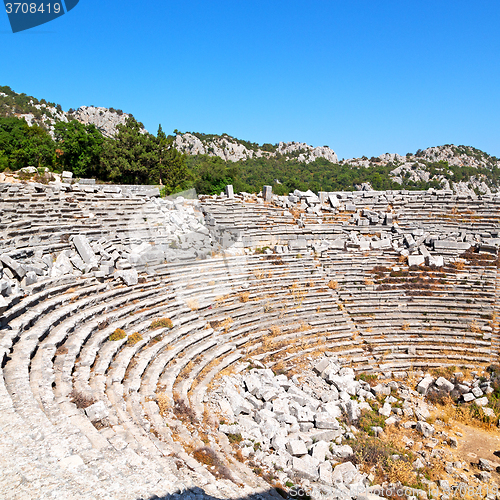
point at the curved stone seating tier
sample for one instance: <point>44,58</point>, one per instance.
<point>283,310</point>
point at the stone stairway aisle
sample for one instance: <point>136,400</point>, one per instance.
<point>495,334</point>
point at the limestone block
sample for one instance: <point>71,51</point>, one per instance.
<point>427,430</point>
<point>14,266</point>
<point>325,473</point>
<point>97,411</point>
<point>267,193</point>
<point>424,384</point>
<point>416,260</point>
<point>477,392</point>
<point>436,260</point>
<point>304,469</point>
<point>345,473</point>
<point>321,450</point>
<point>444,384</point>
<point>385,410</point>
<point>83,247</point>
<point>296,447</point>
<point>129,277</point>
<point>325,421</point>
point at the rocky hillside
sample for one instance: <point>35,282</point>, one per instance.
<point>439,165</point>
<point>231,149</point>
<point>47,114</point>
<point>249,166</point>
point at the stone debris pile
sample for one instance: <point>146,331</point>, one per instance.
<point>303,431</point>
<point>84,237</point>
<point>424,226</point>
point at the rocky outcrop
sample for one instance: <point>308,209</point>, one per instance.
<point>103,118</point>
<point>415,167</point>
<point>230,149</point>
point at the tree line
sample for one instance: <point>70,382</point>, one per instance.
<point>134,156</point>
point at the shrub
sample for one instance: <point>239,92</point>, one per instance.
<point>369,419</point>
<point>333,285</point>
<point>80,400</point>
<point>371,378</point>
<point>208,456</point>
<point>134,338</point>
<point>184,412</point>
<point>161,323</point>
<point>118,334</point>
<point>235,438</point>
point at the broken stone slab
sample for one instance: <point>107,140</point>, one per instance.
<point>427,430</point>
<point>304,469</point>
<point>451,245</point>
<point>444,384</point>
<point>345,473</point>
<point>334,201</point>
<point>14,266</point>
<point>485,465</point>
<point>128,276</point>
<point>424,384</point>
<point>30,279</point>
<point>385,410</point>
<point>436,260</point>
<point>61,266</point>
<point>325,421</point>
<point>320,451</point>
<point>482,401</point>
<point>296,447</point>
<point>298,244</point>
<point>477,392</point>
<point>416,260</point>
<point>325,472</point>
<point>381,390</point>
<point>97,411</point>
<point>341,450</point>
<point>83,247</point>
<point>469,397</point>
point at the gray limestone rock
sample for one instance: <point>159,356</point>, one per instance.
<point>83,247</point>
<point>305,469</point>
<point>424,384</point>
<point>97,411</point>
<point>444,384</point>
<point>129,277</point>
<point>427,430</point>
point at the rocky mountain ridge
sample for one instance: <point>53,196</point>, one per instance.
<point>231,149</point>
<point>433,167</point>
<point>46,114</point>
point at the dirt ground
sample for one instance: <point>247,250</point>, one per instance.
<point>479,443</point>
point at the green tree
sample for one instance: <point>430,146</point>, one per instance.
<point>81,147</point>
<point>170,170</point>
<point>131,155</point>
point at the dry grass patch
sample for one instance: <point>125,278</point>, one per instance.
<point>192,304</point>
<point>134,338</point>
<point>244,296</point>
<point>333,285</point>
<point>275,330</point>
<point>161,323</point>
<point>118,334</point>
<point>81,400</point>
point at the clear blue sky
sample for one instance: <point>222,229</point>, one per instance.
<point>364,77</point>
